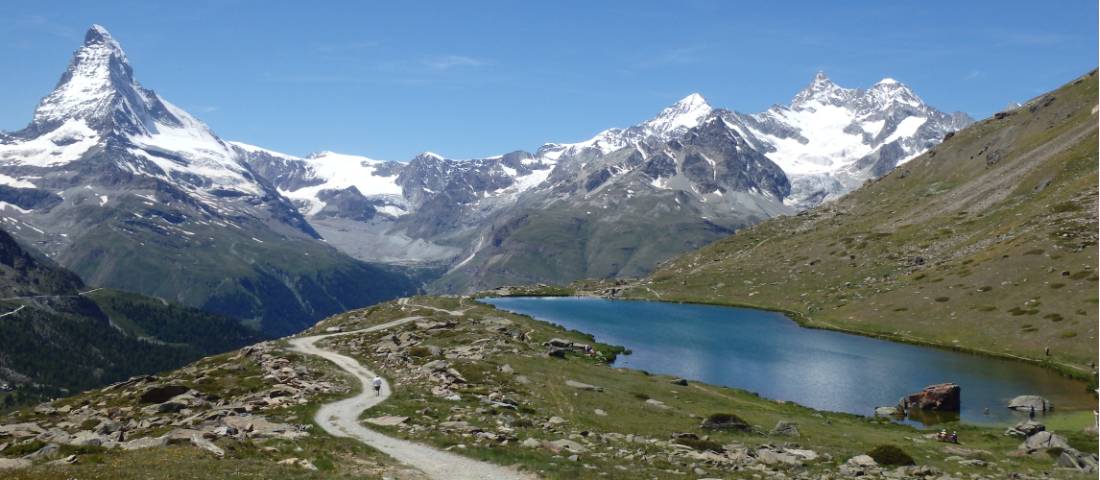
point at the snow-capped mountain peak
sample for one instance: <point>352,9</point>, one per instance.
<point>822,91</point>
<point>99,88</point>
<point>888,91</point>
<point>98,101</point>
<point>687,113</point>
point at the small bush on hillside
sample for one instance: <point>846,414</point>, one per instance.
<point>725,421</point>
<point>891,455</point>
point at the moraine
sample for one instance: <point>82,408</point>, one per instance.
<point>767,353</point>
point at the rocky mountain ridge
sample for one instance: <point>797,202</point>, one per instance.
<point>459,214</point>
<point>130,191</point>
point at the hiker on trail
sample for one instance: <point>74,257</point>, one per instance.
<point>377,383</point>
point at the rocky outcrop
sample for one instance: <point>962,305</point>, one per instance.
<point>943,397</point>
<point>1027,403</point>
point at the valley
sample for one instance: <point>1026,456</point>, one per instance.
<point>849,283</point>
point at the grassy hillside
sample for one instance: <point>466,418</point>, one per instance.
<point>478,381</point>
<point>986,242</point>
<point>60,336</point>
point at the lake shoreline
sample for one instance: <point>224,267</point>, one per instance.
<point>1080,377</point>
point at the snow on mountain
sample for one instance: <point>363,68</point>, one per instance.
<point>830,139</point>
<point>134,193</point>
<point>673,121</point>
<point>332,172</point>
<point>98,100</point>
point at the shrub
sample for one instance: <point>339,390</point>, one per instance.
<point>725,421</point>
<point>891,455</point>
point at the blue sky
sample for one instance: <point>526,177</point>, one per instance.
<point>465,79</point>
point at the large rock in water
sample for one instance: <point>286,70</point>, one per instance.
<point>943,397</point>
<point>1024,403</point>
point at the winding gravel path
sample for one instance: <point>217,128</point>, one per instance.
<point>341,419</point>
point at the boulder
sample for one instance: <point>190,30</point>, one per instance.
<point>556,352</point>
<point>144,442</point>
<point>785,428</point>
<point>886,412</point>
<point>1025,429</point>
<point>1042,441</point>
<point>531,443</point>
<point>13,463</point>
<point>680,381</point>
<point>1077,460</point>
<point>170,407</point>
<point>943,397</point>
<point>387,420</point>
<point>50,450</point>
<point>207,445</point>
<point>654,403</point>
<point>557,446</point>
<point>161,393</point>
<point>1024,403</point>
<point>858,466</point>
<point>768,456</point>
<point>582,386</point>
<point>558,343</point>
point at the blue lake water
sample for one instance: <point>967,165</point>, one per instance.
<point>768,353</point>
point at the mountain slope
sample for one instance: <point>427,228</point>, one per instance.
<point>62,336</point>
<point>589,209</point>
<point>132,192</point>
<point>621,214</point>
<point>986,242</point>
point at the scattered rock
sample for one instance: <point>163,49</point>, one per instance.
<point>680,381</point>
<point>943,397</point>
<point>600,412</point>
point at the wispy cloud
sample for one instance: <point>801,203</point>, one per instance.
<point>206,108</point>
<point>448,62</point>
<point>973,75</point>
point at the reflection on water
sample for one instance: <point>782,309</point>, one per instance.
<point>767,353</point>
